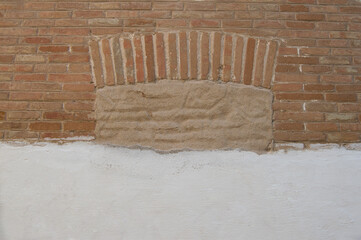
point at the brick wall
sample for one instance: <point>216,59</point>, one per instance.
<point>46,84</point>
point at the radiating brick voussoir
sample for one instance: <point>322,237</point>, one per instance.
<point>194,55</point>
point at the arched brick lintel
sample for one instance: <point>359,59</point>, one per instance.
<point>182,55</point>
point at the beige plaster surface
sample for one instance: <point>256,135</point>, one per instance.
<point>173,115</point>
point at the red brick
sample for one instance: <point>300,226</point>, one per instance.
<point>6,59</point>
<point>136,5</point>
<point>129,65</point>
<point>288,87</point>
<point>248,67</point>
<point>272,50</point>
<point>216,58</point>
<point>4,95</point>
<point>149,51</point>
<point>69,96</point>
<point>139,62</point>
<point>118,61</point>
<point>299,136</point>
<point>13,106</point>
<point>53,49</point>
<point>70,58</point>
<point>26,96</point>
<point>139,23</point>
<point>287,106</point>
<point>321,107</point>
<point>300,25</point>
<point>336,78</point>
<point>302,116</point>
<point>287,68</point>
<point>350,107</point>
<point>236,24</point>
<point>79,106</point>
<point>343,137</point>
<point>37,40</point>
<point>79,126</point>
<point>202,6</point>
<point>261,52</point>
<point>231,6</point>
<point>167,23</point>
<point>71,6</point>
<point>268,24</point>
<point>205,23</point>
<point>289,126</point>
<point>227,58</point>
<point>293,8</point>
<point>310,17</point>
<point>108,63</point>
<point>355,127</point>
<point>299,96</point>
<point>29,115</point>
<point>160,56</point>
<point>338,97</point>
<point>285,77</point>
<point>322,127</point>
<point>319,87</point>
<point>45,106</point>
<point>79,68</point>
<point>204,55</point>
<point>88,14</point>
<point>45,126</point>
<point>183,55</point>
<point>237,67</point>
<point>167,6</point>
<point>13,126</point>
<point>155,14</point>
<point>173,63</point>
<point>78,87</point>
<point>69,78</point>
<point>193,54</point>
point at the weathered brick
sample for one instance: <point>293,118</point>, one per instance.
<point>69,78</point>
<point>160,49</point>
<point>193,50</point>
<point>204,55</point>
<point>44,126</point>
<point>173,61</point>
<point>139,62</point>
<point>118,61</point>
<point>216,58</point>
<point>129,64</point>
<point>227,58</point>
<point>79,126</point>
<point>108,63</point>
<point>184,55</point>
<point>268,75</point>
<point>29,115</point>
<point>149,51</point>
<point>261,52</point>
<point>248,67</point>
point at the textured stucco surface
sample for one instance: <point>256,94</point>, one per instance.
<point>176,115</point>
<point>84,191</point>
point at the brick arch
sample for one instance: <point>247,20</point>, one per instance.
<point>183,55</point>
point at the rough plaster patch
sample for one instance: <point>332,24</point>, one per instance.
<point>174,115</point>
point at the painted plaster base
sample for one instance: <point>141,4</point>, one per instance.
<point>176,115</point>
<point>88,191</point>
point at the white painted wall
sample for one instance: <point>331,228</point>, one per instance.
<point>87,191</point>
